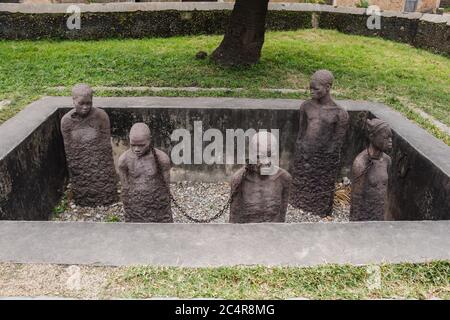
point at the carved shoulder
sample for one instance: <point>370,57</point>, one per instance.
<point>283,175</point>
<point>303,105</point>
<point>343,114</point>
<point>100,113</point>
<point>286,176</point>
<point>67,119</point>
<point>102,117</point>
<point>237,177</point>
<point>388,159</point>
<point>306,105</point>
<point>123,160</point>
<point>359,164</point>
<point>163,159</point>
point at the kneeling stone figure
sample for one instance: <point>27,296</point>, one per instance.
<point>145,175</point>
<point>259,197</point>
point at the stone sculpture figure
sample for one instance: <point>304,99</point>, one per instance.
<point>87,143</point>
<point>322,129</point>
<point>370,175</point>
<point>260,197</point>
<point>145,175</point>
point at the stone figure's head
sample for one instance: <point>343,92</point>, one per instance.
<point>321,83</point>
<point>140,139</point>
<point>82,99</point>
<point>264,153</point>
<point>380,134</point>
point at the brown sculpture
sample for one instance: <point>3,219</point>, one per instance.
<point>258,197</point>
<point>370,174</point>
<point>87,143</point>
<point>145,175</point>
<point>322,129</point>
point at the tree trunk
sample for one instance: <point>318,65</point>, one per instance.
<point>244,37</point>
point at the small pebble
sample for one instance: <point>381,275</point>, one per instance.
<point>201,200</point>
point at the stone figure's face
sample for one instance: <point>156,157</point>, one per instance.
<point>264,159</point>
<point>264,149</point>
<point>140,144</point>
<point>318,90</point>
<point>83,104</point>
<point>382,139</point>
<point>261,162</point>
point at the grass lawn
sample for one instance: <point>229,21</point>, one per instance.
<point>365,68</point>
<point>412,281</point>
<point>419,281</point>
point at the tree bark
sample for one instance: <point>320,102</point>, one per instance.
<point>244,37</point>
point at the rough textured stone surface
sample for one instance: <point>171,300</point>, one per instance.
<point>260,190</point>
<point>97,25</point>
<point>315,167</point>
<point>145,176</point>
<point>32,164</point>
<point>419,188</point>
<point>393,28</point>
<point>87,142</point>
<point>433,36</point>
<point>260,199</point>
<point>370,175</point>
<point>146,199</point>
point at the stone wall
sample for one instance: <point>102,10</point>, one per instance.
<point>139,20</point>
<point>32,165</point>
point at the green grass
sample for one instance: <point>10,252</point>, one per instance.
<point>61,207</point>
<point>418,281</point>
<point>113,218</point>
<point>365,68</point>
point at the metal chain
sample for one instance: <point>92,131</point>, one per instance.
<point>221,211</point>
<point>183,211</point>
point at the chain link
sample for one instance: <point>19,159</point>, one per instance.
<point>221,211</point>
<point>183,211</point>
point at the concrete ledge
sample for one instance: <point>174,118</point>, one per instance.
<point>436,18</point>
<point>119,244</point>
<point>159,6</point>
<point>25,123</point>
<point>115,7</point>
<point>185,6</point>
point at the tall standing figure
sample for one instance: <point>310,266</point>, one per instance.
<point>370,175</point>
<point>145,175</point>
<point>322,129</point>
<point>87,143</point>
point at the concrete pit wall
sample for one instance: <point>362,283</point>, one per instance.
<point>33,169</point>
<point>32,165</point>
<point>140,20</point>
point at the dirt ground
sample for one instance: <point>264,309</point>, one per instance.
<point>38,280</point>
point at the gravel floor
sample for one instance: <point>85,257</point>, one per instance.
<point>201,200</point>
